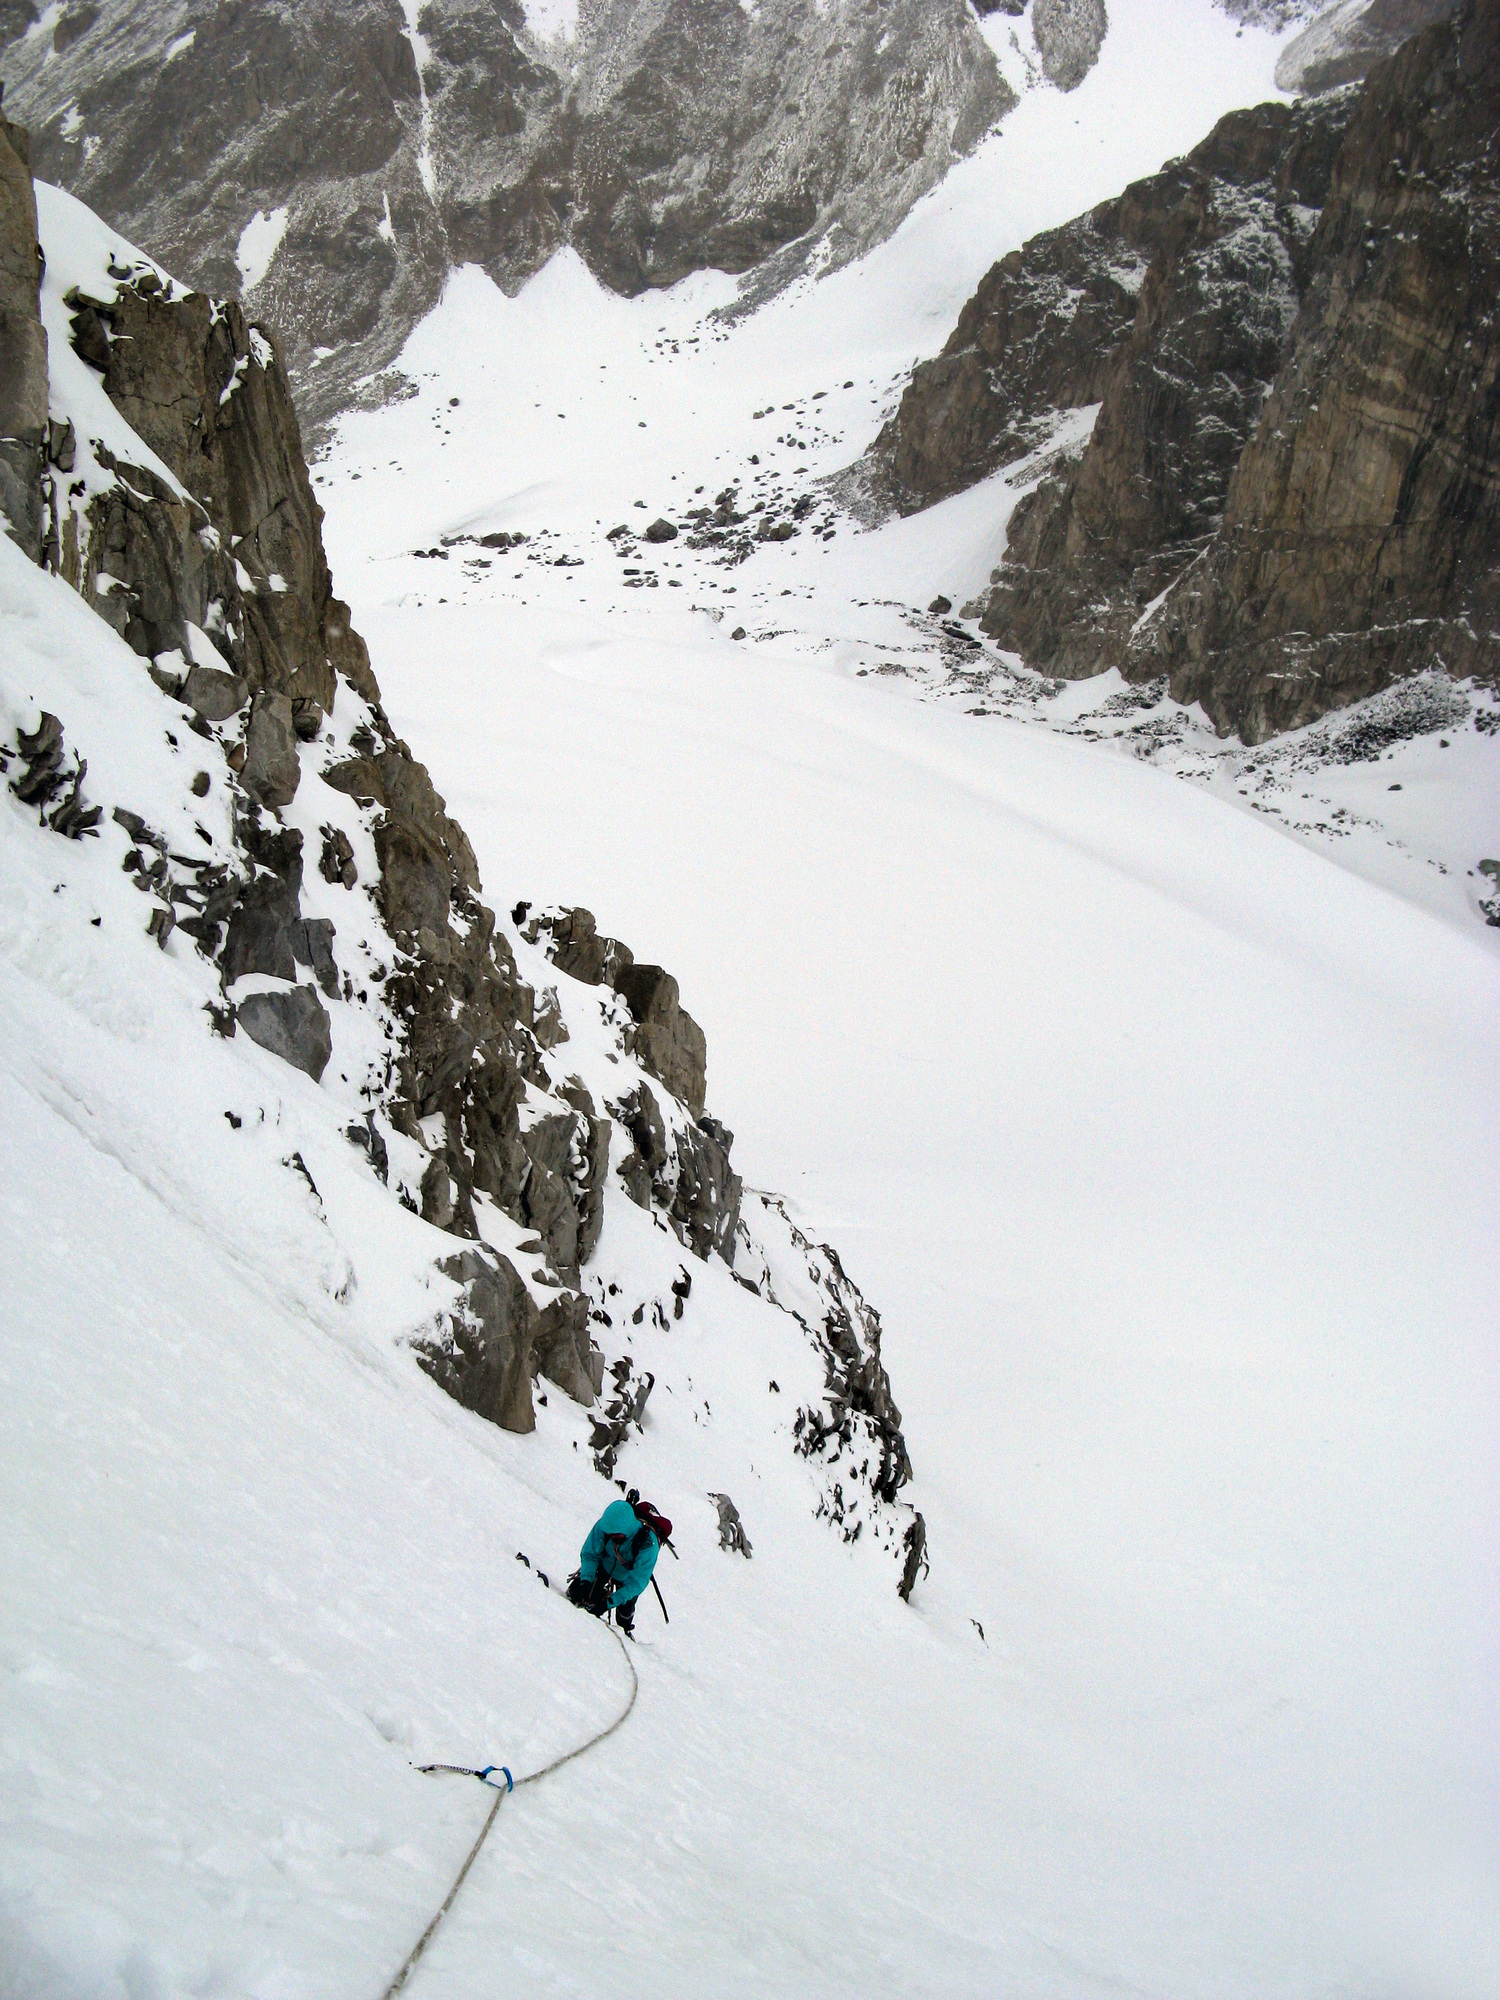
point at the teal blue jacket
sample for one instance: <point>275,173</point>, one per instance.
<point>608,1548</point>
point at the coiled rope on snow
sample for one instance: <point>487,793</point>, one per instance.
<point>511,1784</point>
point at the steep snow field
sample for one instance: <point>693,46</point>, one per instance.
<point>1164,1143</point>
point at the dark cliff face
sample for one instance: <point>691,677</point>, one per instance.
<point>1179,396</point>
<point>1361,539</point>
<point>1183,253</point>
<point>666,138</point>
<point>1288,498</point>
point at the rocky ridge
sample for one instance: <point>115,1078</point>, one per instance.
<point>336,901</point>
<point>380,146</point>
<point>1257,517</point>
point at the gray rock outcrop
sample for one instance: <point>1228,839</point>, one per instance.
<point>1181,393</point>
<point>481,1351</point>
<point>1069,34</point>
<point>663,139</point>
<point>1044,332</point>
<point>668,1040</point>
<point>271,771</point>
<point>732,1536</point>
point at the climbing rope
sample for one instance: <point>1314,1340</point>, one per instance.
<point>487,1776</point>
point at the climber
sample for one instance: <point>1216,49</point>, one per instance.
<point>617,1559</point>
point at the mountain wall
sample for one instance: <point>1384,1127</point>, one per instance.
<point>1361,534</point>
<point>300,860</point>
<point>381,146</point>
<point>1289,494</point>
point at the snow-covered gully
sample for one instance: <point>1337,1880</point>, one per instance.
<point>1144,1085</point>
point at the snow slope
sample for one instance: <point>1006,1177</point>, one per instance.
<point>1165,1144</point>
<point>1167,1148</point>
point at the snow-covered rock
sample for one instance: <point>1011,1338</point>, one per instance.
<point>196,518</point>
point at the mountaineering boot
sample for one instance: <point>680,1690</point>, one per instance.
<point>625,1618</point>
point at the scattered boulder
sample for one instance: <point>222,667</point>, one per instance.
<point>214,695</point>
<point>336,862</point>
<point>261,929</point>
<point>626,1406</point>
<point>293,1025</point>
<point>940,607</point>
<point>661,531</point>
<point>90,337</point>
